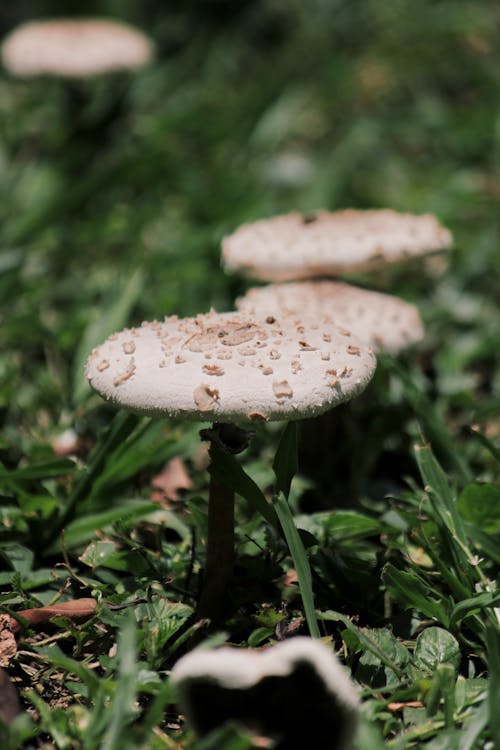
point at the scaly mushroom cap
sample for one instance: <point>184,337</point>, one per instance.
<point>296,692</point>
<point>300,246</point>
<point>385,322</point>
<point>231,367</point>
<point>75,48</point>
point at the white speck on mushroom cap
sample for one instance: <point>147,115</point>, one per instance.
<point>294,246</point>
<point>185,385</point>
<point>74,48</point>
<point>385,322</point>
<point>242,669</point>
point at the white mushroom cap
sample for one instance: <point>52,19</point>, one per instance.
<point>298,246</point>
<point>231,367</point>
<point>305,675</point>
<point>385,322</point>
<point>75,48</point>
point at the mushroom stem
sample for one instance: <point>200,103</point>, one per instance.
<point>220,548</point>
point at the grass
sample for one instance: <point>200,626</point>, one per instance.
<point>391,515</point>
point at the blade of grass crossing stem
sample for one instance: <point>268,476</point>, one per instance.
<point>300,561</point>
<point>285,467</point>
<point>227,471</point>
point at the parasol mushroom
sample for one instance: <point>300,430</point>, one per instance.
<point>295,693</point>
<point>385,322</point>
<point>74,48</point>
<point>232,369</point>
<point>76,51</point>
<point>299,246</point>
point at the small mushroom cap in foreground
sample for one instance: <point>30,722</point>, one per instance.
<point>75,48</point>
<point>231,367</point>
<point>296,692</point>
<point>385,322</point>
<point>301,246</point>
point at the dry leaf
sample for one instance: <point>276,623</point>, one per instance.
<point>8,646</point>
<point>76,609</point>
<point>167,484</point>
<point>290,578</point>
<point>10,705</point>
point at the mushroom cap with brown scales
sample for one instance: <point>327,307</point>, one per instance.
<point>74,48</point>
<point>385,322</point>
<point>231,367</point>
<point>301,246</point>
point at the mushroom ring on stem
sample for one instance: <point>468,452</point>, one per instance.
<point>229,368</point>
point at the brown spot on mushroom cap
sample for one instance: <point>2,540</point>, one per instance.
<point>282,389</point>
<point>124,376</point>
<point>353,349</point>
<point>256,416</point>
<point>230,334</point>
<point>205,397</point>
<point>213,370</point>
<point>285,247</point>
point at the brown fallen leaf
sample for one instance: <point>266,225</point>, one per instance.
<point>290,578</point>
<point>171,479</point>
<point>10,705</point>
<point>8,645</point>
<point>76,609</point>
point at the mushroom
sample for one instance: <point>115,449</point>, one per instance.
<point>232,369</point>
<point>385,322</point>
<point>295,693</point>
<point>299,246</point>
<point>74,48</point>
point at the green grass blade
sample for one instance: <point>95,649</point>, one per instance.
<point>39,471</point>
<point>300,560</point>
<point>412,592</point>
<point>490,446</point>
<point>227,471</point>
<point>120,712</point>
<point>118,431</point>
<point>493,649</point>
<point>434,427</point>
